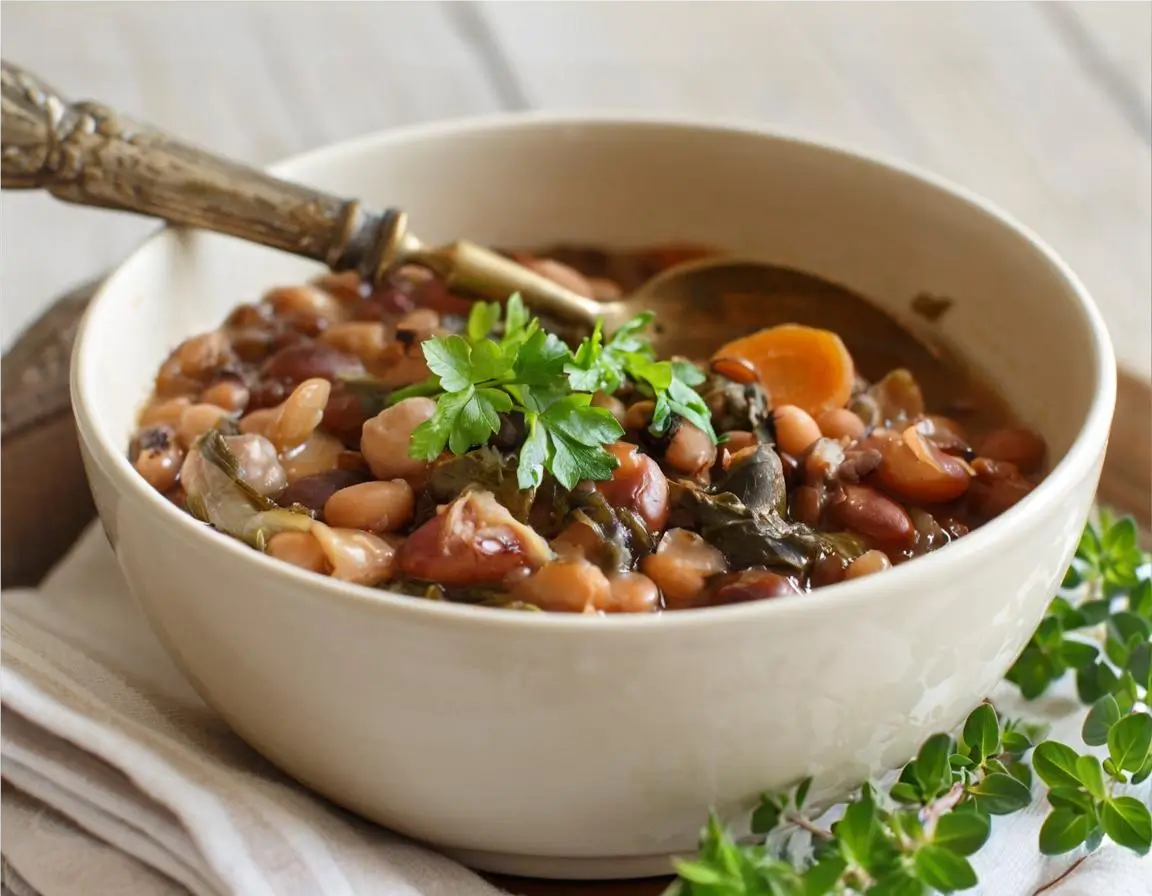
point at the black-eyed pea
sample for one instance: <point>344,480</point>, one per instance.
<point>565,586</point>
<point>867,563</point>
<point>637,484</point>
<point>691,450</point>
<point>682,563</point>
<point>196,420</point>
<point>374,506</point>
<point>298,548</point>
<point>795,429</point>
<point>159,457</point>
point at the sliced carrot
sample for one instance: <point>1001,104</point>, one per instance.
<point>801,366</point>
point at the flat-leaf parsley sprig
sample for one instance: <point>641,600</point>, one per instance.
<point>476,378</point>
<point>915,836</point>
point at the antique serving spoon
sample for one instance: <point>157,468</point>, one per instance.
<point>86,153</point>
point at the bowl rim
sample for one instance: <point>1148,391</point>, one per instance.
<point>1084,452</point>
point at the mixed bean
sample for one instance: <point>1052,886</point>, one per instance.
<point>278,428</point>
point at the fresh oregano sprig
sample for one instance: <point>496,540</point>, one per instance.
<point>915,836</point>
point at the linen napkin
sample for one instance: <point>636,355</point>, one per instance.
<point>120,780</point>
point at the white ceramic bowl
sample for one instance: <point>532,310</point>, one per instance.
<point>574,746</point>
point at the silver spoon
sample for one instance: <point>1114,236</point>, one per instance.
<point>86,153</point>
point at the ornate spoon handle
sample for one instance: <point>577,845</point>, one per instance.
<point>88,154</point>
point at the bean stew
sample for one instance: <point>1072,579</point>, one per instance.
<point>410,439</point>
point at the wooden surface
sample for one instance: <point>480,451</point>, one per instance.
<point>1042,107</point>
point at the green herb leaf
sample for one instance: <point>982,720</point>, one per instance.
<point>933,772</point>
<point>482,319</point>
<point>1072,798</point>
<point>1129,741</point>
<point>962,832</point>
<point>450,358</point>
<point>766,816</point>
<point>982,732</point>
<point>1000,794</point>
<point>1128,822</point>
<point>1055,763</point>
<point>802,793</point>
<point>1088,770</point>
<point>1064,830</point>
<point>943,869</point>
<point>1103,714</point>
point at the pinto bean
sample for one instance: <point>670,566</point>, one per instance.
<point>1018,446</point>
<point>840,423</point>
<point>228,393</point>
<point>914,469</point>
<point>691,450</point>
<point>298,548</point>
<point>165,412</point>
<point>749,585</point>
<point>386,437</point>
<point>566,586</point>
<point>637,484</point>
<point>868,512</point>
<point>680,566</point>
<point>795,429</point>
<point>192,363</point>
<point>631,592</point>
<point>375,506</point>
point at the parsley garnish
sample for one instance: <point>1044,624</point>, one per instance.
<point>528,371</point>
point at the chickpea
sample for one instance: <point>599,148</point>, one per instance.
<point>196,420</point>
<point>868,512</point>
<point>160,457</point>
<point>319,453</point>
<point>385,439</point>
<point>682,562</point>
<point>914,469</point>
<point>363,339</point>
<point>305,299</point>
<point>868,563</point>
<point>795,429</point>
<point>639,416</point>
<point>631,592</point>
<point>610,403</point>
<point>230,394</point>
<point>356,556</point>
<point>1021,447</point>
<point>565,586</point>
<point>691,450</point>
<point>375,506</point>
<point>637,484</point>
<point>561,273</point>
<point>840,423</point>
<point>298,548</point>
<point>166,412</point>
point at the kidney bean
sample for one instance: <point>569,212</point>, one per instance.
<point>795,429</point>
<point>680,566</point>
<point>868,512</point>
<point>314,491</point>
<point>473,541</point>
<point>310,360</point>
<point>344,415</point>
<point>827,570</point>
<point>253,344</point>
<point>840,423</point>
<point>807,505</point>
<point>638,484</point>
<point>1018,446</point>
<point>298,548</point>
<point>385,439</point>
<point>375,506</point>
<point>749,585</point>
<point>998,486</point>
<point>867,563</point>
<point>916,470</point>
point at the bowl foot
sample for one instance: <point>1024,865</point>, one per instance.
<point>560,868</point>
